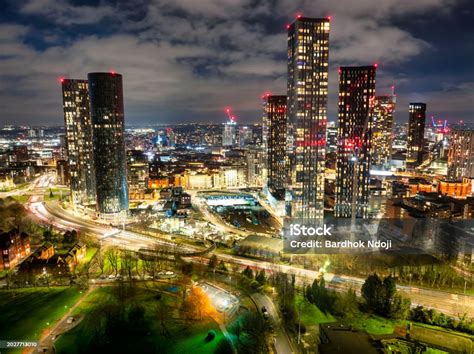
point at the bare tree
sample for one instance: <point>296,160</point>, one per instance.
<point>113,258</point>
<point>99,260</point>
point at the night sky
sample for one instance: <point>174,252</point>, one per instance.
<point>185,60</point>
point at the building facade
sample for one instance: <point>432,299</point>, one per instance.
<point>461,154</point>
<point>107,115</point>
<point>229,134</point>
<point>356,103</point>
<point>381,127</point>
<point>78,140</point>
<point>14,246</point>
<point>274,120</point>
<point>416,131</point>
<point>308,54</point>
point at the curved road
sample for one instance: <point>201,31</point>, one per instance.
<point>449,303</point>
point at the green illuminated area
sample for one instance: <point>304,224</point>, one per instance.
<point>141,319</point>
<point>27,314</point>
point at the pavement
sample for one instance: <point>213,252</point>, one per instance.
<point>281,341</point>
<point>46,342</point>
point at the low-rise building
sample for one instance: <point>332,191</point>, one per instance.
<point>14,246</point>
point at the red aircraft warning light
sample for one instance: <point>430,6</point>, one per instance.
<point>329,18</point>
<point>61,79</point>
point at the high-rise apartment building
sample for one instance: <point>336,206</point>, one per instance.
<point>229,134</point>
<point>274,120</point>
<point>381,127</point>
<point>461,153</point>
<point>107,116</point>
<point>416,131</point>
<point>78,140</point>
<point>308,54</point>
<point>356,101</point>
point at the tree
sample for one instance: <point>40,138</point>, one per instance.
<point>372,291</point>
<point>197,304</point>
<point>260,277</point>
<point>399,307</point>
<point>346,305</point>
<point>128,263</point>
<point>222,267</point>
<point>187,268</point>
<point>100,260</point>
<point>247,272</point>
<point>70,236</point>
<point>212,262</point>
<point>381,297</point>
<point>48,235</point>
<point>112,257</point>
<point>162,312</point>
<point>388,293</point>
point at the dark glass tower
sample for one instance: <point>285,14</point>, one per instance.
<point>78,129</point>
<point>275,144</point>
<point>356,101</point>
<point>308,52</point>
<point>107,115</point>
<point>416,131</point>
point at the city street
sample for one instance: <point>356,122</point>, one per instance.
<point>280,339</point>
<point>446,302</point>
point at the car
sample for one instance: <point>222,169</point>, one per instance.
<point>111,276</point>
<point>70,320</point>
<point>265,313</point>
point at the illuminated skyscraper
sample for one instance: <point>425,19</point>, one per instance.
<point>416,131</point>
<point>229,134</point>
<point>461,153</point>
<point>308,53</point>
<point>381,127</point>
<point>78,140</point>
<point>107,115</point>
<point>356,101</point>
<point>274,121</point>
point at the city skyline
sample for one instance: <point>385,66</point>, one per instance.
<point>304,216</point>
<point>193,79</point>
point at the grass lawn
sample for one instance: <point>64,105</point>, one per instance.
<point>26,313</point>
<point>182,338</point>
<point>195,342</point>
<point>434,351</point>
<point>89,254</point>
<point>311,314</point>
<point>375,324</point>
<point>442,338</point>
<point>79,336</point>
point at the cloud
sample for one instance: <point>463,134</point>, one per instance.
<point>63,12</point>
<point>188,59</point>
